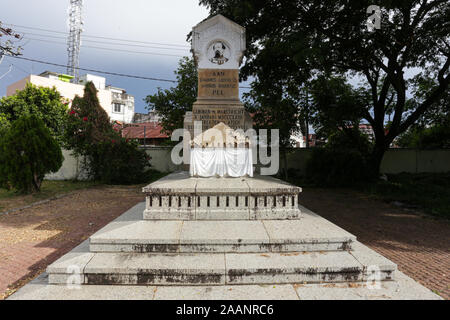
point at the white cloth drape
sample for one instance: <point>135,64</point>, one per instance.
<point>222,162</point>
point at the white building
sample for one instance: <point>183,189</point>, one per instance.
<point>117,103</point>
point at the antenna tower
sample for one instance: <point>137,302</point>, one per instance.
<point>75,23</point>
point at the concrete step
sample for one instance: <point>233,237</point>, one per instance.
<point>219,268</point>
<point>306,235</point>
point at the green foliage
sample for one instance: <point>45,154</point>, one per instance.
<point>435,137</point>
<point>172,104</point>
<point>337,105</point>
<point>27,153</point>
<point>4,124</point>
<point>87,123</point>
<point>429,192</point>
<point>46,103</point>
<point>291,42</point>
<point>119,162</point>
<point>109,157</point>
<point>342,162</point>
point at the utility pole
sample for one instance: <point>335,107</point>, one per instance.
<point>74,41</point>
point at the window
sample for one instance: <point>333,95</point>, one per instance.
<point>117,107</point>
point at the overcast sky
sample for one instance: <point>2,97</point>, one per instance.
<point>157,21</point>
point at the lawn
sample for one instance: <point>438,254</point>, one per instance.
<point>10,199</point>
<point>427,192</point>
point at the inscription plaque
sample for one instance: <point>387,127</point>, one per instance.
<point>218,83</point>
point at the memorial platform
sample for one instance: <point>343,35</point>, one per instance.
<point>266,260</point>
<point>179,196</point>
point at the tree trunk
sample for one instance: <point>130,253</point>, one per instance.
<point>37,181</point>
<point>375,160</point>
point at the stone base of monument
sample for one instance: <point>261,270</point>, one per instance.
<point>262,259</point>
<point>250,231</point>
<point>181,197</point>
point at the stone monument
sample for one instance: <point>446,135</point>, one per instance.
<point>195,231</point>
<point>218,45</point>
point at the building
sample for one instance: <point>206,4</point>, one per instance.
<point>151,116</point>
<point>147,134</point>
<point>117,103</point>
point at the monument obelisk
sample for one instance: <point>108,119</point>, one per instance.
<point>218,45</point>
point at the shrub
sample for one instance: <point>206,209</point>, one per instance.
<point>27,153</point>
<point>342,162</point>
<point>109,157</point>
<point>46,103</point>
<point>118,162</point>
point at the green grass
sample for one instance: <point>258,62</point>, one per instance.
<point>427,191</point>
<point>10,199</point>
<point>48,189</point>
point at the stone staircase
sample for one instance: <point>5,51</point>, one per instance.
<point>183,250</point>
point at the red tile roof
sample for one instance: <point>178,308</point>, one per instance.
<point>153,130</point>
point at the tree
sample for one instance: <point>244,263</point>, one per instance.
<point>46,103</point>
<point>87,123</point>
<point>273,110</point>
<point>333,38</point>
<point>7,45</point>
<point>172,104</point>
<point>27,153</point>
<point>337,106</point>
<point>110,158</point>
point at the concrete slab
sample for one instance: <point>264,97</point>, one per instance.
<point>368,257</point>
<point>375,265</point>
<point>144,268</point>
<point>223,232</point>
<point>244,292</point>
<point>178,182</point>
<point>69,266</point>
<point>292,268</point>
<point>134,214</point>
<point>268,185</point>
<point>404,288</point>
<point>142,232</point>
<point>309,234</point>
<point>305,230</point>
<point>222,186</point>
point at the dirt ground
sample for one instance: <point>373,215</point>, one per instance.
<point>33,238</point>
<point>417,243</point>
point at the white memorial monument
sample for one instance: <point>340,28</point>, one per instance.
<point>207,234</point>
<point>220,148</point>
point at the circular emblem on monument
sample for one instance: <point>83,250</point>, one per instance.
<point>218,52</point>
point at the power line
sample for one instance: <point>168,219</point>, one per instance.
<point>111,49</point>
<point>100,37</point>
<point>102,42</point>
<point>93,70</point>
<point>100,71</point>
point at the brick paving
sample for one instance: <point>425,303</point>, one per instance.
<point>418,244</point>
<point>33,238</point>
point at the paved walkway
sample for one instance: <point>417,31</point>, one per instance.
<point>33,238</point>
<point>418,244</point>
